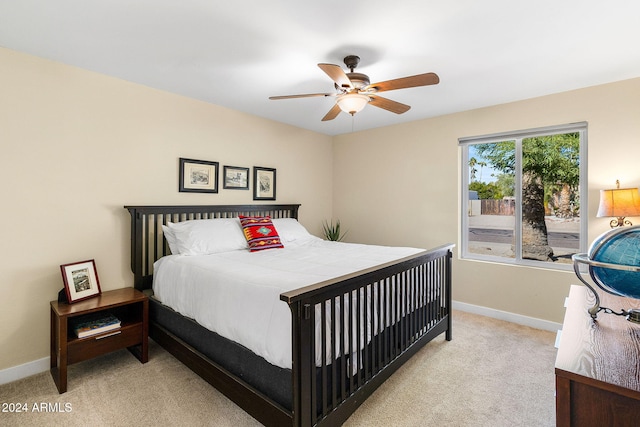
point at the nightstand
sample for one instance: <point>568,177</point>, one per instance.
<point>129,305</point>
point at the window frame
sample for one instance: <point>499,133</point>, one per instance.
<point>517,136</point>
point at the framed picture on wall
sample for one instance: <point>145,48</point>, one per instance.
<point>264,183</point>
<point>235,178</point>
<point>198,176</point>
<point>80,280</point>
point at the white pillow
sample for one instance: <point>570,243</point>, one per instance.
<point>289,229</point>
<point>208,236</point>
<point>171,239</point>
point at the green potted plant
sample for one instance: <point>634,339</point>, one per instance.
<point>332,231</point>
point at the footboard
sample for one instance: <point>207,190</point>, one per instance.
<point>352,333</point>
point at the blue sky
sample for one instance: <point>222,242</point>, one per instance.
<point>484,173</point>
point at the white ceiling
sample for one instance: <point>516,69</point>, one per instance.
<point>237,54</point>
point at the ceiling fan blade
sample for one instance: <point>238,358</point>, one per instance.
<point>332,114</point>
<point>304,95</point>
<point>389,105</point>
<point>405,82</point>
<point>337,75</point>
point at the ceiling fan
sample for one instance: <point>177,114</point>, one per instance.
<point>355,90</point>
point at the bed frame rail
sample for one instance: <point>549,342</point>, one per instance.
<point>378,319</point>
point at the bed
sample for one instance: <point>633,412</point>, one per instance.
<point>346,331</point>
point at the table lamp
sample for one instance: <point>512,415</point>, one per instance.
<point>619,203</point>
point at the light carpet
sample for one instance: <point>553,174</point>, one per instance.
<point>493,373</point>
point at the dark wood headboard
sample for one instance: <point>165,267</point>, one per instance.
<point>147,240</point>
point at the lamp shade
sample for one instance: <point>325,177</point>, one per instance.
<point>352,102</point>
<point>620,202</point>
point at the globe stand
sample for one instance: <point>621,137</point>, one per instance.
<point>632,315</point>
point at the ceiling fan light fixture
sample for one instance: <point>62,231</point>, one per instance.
<point>352,103</point>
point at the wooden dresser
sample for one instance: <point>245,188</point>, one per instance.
<point>598,364</point>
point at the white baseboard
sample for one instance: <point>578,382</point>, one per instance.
<point>23,371</point>
<point>533,322</point>
<point>41,365</point>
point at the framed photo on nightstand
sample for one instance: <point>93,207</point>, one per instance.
<point>80,280</point>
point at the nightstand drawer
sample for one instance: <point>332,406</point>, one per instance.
<point>86,348</point>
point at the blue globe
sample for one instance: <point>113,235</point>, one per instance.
<point>618,249</point>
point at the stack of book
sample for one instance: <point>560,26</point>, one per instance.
<point>97,324</point>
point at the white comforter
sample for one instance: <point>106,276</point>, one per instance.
<point>237,293</point>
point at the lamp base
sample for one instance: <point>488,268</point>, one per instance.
<point>619,222</point>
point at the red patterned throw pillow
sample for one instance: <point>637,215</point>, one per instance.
<point>260,233</point>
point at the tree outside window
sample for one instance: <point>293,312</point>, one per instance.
<point>528,188</point>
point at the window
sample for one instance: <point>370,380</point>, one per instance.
<point>521,196</point>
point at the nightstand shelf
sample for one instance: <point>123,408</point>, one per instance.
<point>129,305</point>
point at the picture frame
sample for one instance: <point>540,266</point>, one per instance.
<point>235,178</point>
<point>264,183</point>
<point>198,176</point>
<point>80,280</point>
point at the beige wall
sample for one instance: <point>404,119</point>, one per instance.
<point>77,146</point>
<point>401,185</point>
